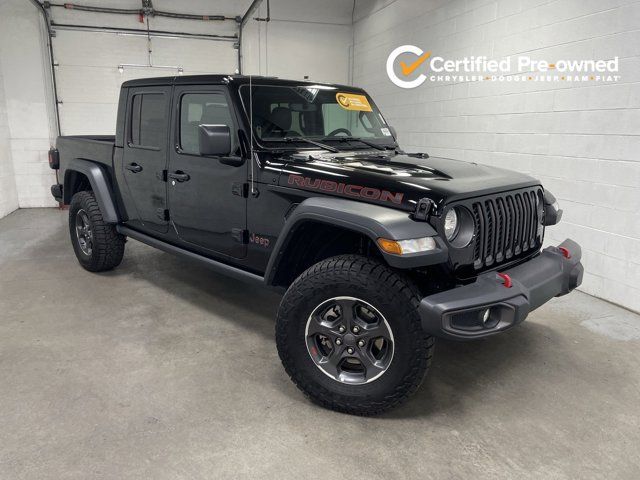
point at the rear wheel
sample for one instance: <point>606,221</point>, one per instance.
<point>349,335</point>
<point>97,244</point>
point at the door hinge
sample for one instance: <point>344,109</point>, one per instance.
<point>162,175</point>
<point>423,209</point>
<point>240,189</point>
<point>240,235</point>
<point>163,214</point>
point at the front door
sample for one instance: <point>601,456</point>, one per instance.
<point>206,201</point>
<point>145,156</point>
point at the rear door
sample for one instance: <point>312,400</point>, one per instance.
<point>208,208</point>
<point>145,156</point>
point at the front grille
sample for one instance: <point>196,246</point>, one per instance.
<point>506,226</point>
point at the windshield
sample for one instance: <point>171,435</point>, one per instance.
<point>317,112</point>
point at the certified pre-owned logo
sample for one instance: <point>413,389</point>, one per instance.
<point>407,70</point>
<point>403,64</point>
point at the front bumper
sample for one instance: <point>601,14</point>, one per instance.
<point>459,313</point>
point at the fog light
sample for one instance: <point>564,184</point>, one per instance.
<point>489,317</point>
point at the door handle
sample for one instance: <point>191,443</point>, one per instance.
<point>179,176</point>
<point>134,167</point>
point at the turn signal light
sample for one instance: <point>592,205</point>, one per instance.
<point>390,246</point>
<point>404,247</point>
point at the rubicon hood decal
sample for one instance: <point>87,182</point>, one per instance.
<point>329,186</point>
<point>398,181</point>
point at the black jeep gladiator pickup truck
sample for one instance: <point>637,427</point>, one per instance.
<point>303,187</point>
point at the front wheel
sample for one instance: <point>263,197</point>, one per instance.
<point>349,335</point>
<point>97,244</point>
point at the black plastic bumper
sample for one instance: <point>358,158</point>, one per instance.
<point>461,313</point>
<point>56,191</point>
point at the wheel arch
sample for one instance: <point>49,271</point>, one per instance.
<point>346,224</point>
<point>312,240</point>
<point>81,174</point>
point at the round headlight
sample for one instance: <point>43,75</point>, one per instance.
<point>459,227</point>
<point>451,224</point>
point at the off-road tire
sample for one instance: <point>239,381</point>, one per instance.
<point>107,245</point>
<point>391,294</point>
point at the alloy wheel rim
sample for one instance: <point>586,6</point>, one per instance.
<point>84,232</point>
<point>349,340</point>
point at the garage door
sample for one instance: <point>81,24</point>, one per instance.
<point>89,79</point>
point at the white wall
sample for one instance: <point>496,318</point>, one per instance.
<point>304,38</point>
<point>25,80</point>
<point>581,140</point>
<point>8,192</point>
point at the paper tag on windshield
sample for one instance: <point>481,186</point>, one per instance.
<point>353,101</point>
<point>308,93</point>
<point>385,131</point>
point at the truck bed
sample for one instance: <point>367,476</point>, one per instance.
<point>97,148</point>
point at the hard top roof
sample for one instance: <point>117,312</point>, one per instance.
<point>223,80</point>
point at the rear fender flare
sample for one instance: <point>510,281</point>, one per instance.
<point>98,179</point>
<point>373,221</point>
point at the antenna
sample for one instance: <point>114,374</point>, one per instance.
<point>251,134</point>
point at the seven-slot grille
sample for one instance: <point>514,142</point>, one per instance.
<point>506,226</point>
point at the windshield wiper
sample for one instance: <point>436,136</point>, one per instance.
<point>312,142</point>
<point>357,139</point>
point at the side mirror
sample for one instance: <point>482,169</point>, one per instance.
<point>393,132</point>
<point>214,140</point>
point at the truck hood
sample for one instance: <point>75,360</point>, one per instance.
<point>398,180</point>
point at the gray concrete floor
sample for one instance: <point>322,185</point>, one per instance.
<point>163,369</point>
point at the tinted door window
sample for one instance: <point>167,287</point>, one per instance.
<point>203,109</point>
<point>147,120</point>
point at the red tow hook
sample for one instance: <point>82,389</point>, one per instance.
<point>506,278</point>
<point>565,252</point>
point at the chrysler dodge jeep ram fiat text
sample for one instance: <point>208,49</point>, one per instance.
<point>303,187</point>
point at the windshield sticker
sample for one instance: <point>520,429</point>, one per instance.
<point>352,101</point>
<point>308,93</point>
<point>385,131</point>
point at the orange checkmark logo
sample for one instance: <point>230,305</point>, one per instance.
<point>408,69</point>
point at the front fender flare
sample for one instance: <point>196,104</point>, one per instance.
<point>97,176</point>
<point>374,221</point>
